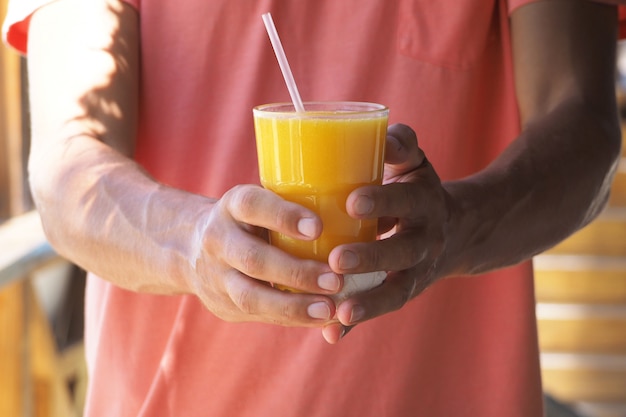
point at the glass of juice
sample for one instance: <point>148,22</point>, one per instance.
<point>317,158</point>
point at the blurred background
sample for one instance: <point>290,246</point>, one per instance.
<point>580,289</point>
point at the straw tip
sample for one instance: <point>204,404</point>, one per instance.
<point>282,61</point>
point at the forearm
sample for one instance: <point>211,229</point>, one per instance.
<point>97,206</point>
<point>555,177</point>
<point>553,180</point>
<point>103,212</point>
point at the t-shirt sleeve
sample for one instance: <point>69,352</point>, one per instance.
<point>15,25</point>
<point>514,4</point>
<point>622,15</point>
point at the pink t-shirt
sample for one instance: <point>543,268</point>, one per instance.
<point>467,347</point>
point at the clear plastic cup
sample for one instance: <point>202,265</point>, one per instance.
<point>317,158</point>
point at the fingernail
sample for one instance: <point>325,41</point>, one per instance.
<point>348,260</point>
<point>319,310</point>
<point>363,205</point>
<point>357,314</point>
<point>306,226</point>
<point>328,281</point>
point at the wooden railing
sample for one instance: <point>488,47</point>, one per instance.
<point>14,195</point>
<point>34,375</point>
<point>581,311</point>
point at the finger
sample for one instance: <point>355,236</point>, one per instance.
<point>256,301</point>
<point>397,200</point>
<point>257,259</point>
<point>334,332</point>
<point>392,295</point>
<point>257,206</point>
<point>402,151</point>
<point>398,252</point>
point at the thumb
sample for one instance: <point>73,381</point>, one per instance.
<point>401,149</point>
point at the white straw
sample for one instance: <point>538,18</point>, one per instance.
<point>282,62</point>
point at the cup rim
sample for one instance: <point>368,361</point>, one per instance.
<point>322,109</point>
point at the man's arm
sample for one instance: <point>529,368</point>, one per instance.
<point>551,181</point>
<point>104,212</point>
<point>555,178</point>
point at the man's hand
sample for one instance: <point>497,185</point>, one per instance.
<point>552,180</point>
<point>414,210</point>
<point>236,264</point>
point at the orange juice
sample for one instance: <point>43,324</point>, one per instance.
<point>316,159</point>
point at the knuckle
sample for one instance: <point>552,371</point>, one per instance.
<point>373,258</point>
<point>243,299</point>
<point>403,295</point>
<point>214,236</point>
<point>287,312</point>
<point>298,278</point>
<point>248,258</point>
<point>282,217</point>
<point>243,201</point>
<point>414,254</point>
<point>252,260</point>
<point>411,197</point>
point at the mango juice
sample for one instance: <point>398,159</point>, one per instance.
<point>316,159</point>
